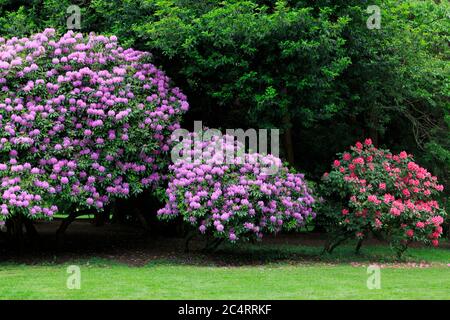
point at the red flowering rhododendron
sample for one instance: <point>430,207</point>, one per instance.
<point>384,193</point>
<point>82,121</point>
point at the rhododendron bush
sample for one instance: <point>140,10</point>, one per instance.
<point>82,121</point>
<point>238,199</point>
<point>385,193</point>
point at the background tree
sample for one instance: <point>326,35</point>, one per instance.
<point>310,67</point>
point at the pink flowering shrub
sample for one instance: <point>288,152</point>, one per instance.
<point>235,200</point>
<point>82,121</point>
<point>383,193</point>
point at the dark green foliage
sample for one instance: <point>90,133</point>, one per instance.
<point>311,67</point>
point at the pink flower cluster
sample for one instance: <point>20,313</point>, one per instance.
<point>386,192</point>
<point>82,120</point>
<point>235,199</point>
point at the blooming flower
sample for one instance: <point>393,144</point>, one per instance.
<point>239,200</point>
<point>400,196</point>
<point>61,127</point>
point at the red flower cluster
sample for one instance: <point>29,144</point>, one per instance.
<point>385,192</point>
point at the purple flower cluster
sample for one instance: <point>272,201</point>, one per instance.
<point>235,199</point>
<point>82,121</point>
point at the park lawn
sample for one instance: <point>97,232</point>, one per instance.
<point>331,277</point>
<point>313,281</point>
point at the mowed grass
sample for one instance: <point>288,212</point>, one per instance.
<point>285,272</point>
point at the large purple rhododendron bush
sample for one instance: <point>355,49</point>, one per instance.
<point>82,121</point>
<point>235,198</point>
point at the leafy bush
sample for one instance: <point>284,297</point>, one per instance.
<point>236,200</point>
<point>382,193</point>
<point>329,77</point>
<point>82,121</point>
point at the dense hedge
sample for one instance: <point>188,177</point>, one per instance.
<point>331,79</point>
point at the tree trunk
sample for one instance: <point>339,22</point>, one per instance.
<point>373,125</point>
<point>29,227</point>
<point>191,235</point>
<point>17,233</point>
<point>358,246</point>
<point>212,245</point>
<point>65,224</point>
<point>373,134</point>
<point>288,141</point>
<point>32,233</point>
<point>335,241</point>
<point>100,218</point>
<point>142,220</point>
<point>287,126</point>
<point>4,236</point>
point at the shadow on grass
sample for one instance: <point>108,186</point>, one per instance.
<point>289,254</point>
<point>131,250</point>
<point>281,255</point>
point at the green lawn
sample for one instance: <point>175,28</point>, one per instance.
<point>191,282</point>
<point>287,272</point>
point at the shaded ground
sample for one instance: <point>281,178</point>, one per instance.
<point>129,245</point>
<point>125,244</point>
